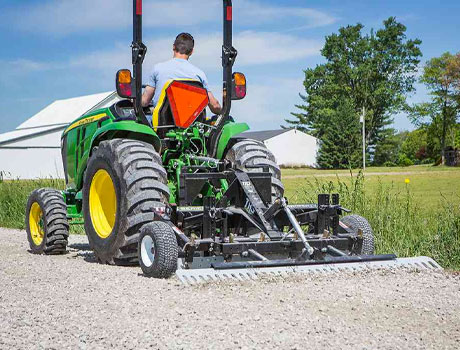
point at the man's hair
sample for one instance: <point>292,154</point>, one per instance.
<point>184,44</point>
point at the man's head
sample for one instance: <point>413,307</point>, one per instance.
<point>183,45</point>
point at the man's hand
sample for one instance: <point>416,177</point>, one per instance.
<point>147,95</point>
<point>214,105</point>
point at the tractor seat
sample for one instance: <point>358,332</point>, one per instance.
<point>181,103</point>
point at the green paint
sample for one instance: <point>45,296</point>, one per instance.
<point>183,149</point>
<point>129,129</point>
<point>229,130</point>
<point>77,143</point>
<point>80,140</point>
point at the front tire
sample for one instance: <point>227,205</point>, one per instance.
<point>124,183</point>
<point>46,222</point>
<point>356,222</point>
<point>158,250</point>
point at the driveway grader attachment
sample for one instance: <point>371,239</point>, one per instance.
<point>190,195</point>
<point>241,237</point>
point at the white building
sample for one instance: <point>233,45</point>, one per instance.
<point>290,147</point>
<point>33,149</point>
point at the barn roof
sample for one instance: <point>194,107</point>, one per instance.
<point>57,116</point>
<point>264,135</point>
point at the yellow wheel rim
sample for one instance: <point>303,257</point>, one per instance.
<point>36,225</point>
<point>102,203</point>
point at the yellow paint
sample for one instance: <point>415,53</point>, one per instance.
<point>85,121</point>
<point>161,100</point>
<point>102,203</point>
<point>37,231</point>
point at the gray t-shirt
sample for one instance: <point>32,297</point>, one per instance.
<point>176,68</point>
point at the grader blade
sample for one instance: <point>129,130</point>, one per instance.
<point>198,276</point>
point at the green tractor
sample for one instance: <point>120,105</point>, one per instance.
<point>188,194</point>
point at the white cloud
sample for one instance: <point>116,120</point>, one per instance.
<point>254,48</point>
<point>257,12</point>
<point>63,17</point>
<point>260,47</point>
<point>25,66</point>
<point>12,69</point>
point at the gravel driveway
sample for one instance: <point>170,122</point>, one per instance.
<point>57,302</point>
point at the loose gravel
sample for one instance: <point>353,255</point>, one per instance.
<point>70,301</point>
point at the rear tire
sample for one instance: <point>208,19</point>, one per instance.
<point>247,152</point>
<point>357,222</point>
<point>158,250</point>
<point>124,183</point>
<point>46,222</point>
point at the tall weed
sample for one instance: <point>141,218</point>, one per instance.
<point>13,199</point>
<point>399,223</point>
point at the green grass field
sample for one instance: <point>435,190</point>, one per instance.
<point>421,217</point>
<point>430,186</point>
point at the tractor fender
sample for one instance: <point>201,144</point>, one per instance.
<point>127,130</point>
<point>123,129</point>
<point>228,131</point>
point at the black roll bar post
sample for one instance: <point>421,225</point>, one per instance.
<point>229,54</point>
<point>139,51</point>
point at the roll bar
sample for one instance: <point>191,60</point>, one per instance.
<point>229,54</point>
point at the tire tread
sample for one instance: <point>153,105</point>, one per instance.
<point>358,222</point>
<point>140,169</point>
<point>166,252</point>
<point>56,227</point>
<point>251,152</point>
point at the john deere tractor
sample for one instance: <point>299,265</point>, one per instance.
<point>187,192</point>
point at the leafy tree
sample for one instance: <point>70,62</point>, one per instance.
<point>388,151</point>
<point>341,147</point>
<point>403,148</point>
<point>441,76</point>
<point>374,71</point>
<point>414,146</point>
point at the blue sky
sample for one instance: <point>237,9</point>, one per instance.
<point>55,49</point>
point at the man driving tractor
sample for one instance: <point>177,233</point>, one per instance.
<point>178,67</point>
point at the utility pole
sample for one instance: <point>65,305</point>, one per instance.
<point>362,119</point>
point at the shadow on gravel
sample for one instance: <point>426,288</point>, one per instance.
<point>88,257</point>
<point>80,246</point>
<point>82,250</point>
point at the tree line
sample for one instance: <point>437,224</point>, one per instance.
<point>371,76</point>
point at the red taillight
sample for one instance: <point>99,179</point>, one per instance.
<point>139,7</point>
<point>240,91</point>
<point>125,90</point>
<point>229,13</point>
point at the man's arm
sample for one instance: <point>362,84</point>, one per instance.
<point>214,104</point>
<point>147,95</point>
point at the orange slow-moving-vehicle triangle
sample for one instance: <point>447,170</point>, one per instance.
<point>187,102</point>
